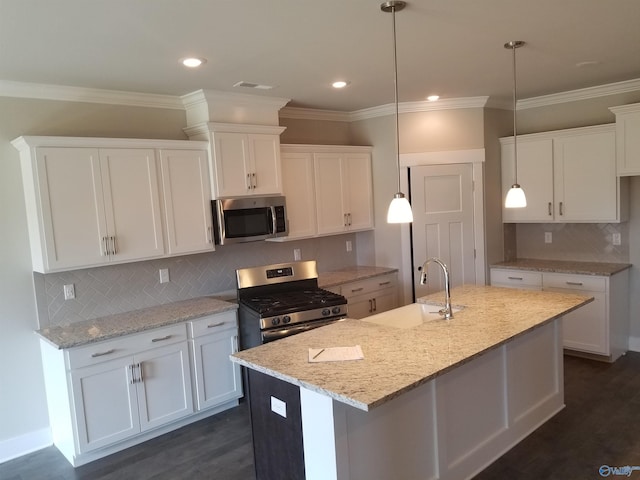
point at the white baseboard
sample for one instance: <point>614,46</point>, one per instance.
<point>634,344</point>
<point>23,444</point>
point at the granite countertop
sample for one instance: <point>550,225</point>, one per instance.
<point>89,331</point>
<point>351,274</point>
<point>397,360</point>
<point>564,266</point>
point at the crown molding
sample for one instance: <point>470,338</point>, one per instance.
<point>298,113</point>
<point>580,94</point>
<point>424,106</point>
<point>42,91</point>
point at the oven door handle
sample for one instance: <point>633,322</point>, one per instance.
<point>276,334</point>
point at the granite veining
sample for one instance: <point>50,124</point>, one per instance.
<point>397,360</point>
<point>96,330</point>
<point>564,266</point>
<point>351,274</point>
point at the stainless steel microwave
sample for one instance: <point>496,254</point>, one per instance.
<point>248,219</point>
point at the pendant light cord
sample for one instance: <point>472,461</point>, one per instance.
<point>395,84</point>
<point>515,135</point>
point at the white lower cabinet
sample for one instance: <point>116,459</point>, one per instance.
<point>217,380</point>
<point>600,328</point>
<point>110,395</point>
<point>372,295</point>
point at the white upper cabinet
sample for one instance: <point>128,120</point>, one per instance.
<point>328,189</point>
<point>344,197</point>
<point>187,201</point>
<point>93,201</point>
<point>568,176</point>
<point>627,139</point>
<point>245,159</point>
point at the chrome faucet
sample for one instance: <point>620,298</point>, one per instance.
<point>446,311</point>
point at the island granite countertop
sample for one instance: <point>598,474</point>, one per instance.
<point>103,328</point>
<point>564,266</point>
<point>398,360</point>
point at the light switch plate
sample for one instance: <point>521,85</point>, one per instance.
<point>279,407</point>
<point>164,275</point>
<point>548,237</point>
<point>69,291</point>
<point>615,239</point>
<point>349,246</point>
<point>297,255</point>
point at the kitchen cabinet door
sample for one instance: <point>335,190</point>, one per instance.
<point>164,387</point>
<point>186,197</point>
<point>132,203</point>
<point>72,208</point>
<point>627,139</point>
<point>299,191</point>
<point>585,182</point>
<point>106,405</point>
<point>344,199</point>
<point>218,380</point>
<point>246,164</point>
<point>535,176</point>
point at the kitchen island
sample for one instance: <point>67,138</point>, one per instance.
<point>431,399</point>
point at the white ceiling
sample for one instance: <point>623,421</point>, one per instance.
<point>450,47</point>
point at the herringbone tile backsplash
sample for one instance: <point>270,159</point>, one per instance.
<point>573,241</point>
<point>115,289</point>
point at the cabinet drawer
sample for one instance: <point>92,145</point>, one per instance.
<point>213,323</point>
<point>588,283</point>
<point>369,285</point>
<point>125,345</point>
<point>516,278</point>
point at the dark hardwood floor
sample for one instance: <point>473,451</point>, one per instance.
<point>599,426</point>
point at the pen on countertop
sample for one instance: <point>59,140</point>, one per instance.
<point>317,354</point>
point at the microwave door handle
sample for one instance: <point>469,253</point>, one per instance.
<point>274,224</point>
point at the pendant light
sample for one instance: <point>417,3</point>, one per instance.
<point>399,209</point>
<point>515,195</point>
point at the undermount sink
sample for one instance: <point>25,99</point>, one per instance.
<point>409,316</point>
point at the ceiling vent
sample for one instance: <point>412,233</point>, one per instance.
<point>257,86</point>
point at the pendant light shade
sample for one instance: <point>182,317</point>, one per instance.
<point>515,196</point>
<point>399,209</point>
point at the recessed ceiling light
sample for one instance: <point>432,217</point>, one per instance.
<point>340,84</point>
<point>433,98</point>
<point>193,62</point>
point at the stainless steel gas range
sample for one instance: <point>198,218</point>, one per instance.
<point>276,301</point>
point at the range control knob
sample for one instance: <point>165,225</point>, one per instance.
<point>325,312</point>
<point>336,310</point>
<point>286,319</point>
<point>275,321</point>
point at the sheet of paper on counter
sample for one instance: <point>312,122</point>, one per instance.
<point>335,354</point>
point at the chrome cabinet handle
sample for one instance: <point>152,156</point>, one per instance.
<point>382,284</point>
<point>550,209</point>
<point>161,339</point>
<point>349,217</point>
<point>354,290</point>
<point>248,181</point>
<point>561,209</point>
<point>515,278</point>
<point>344,216</point>
<point>100,354</point>
<point>140,376</point>
<point>578,284</point>
<point>209,234</point>
<point>235,343</point>
<point>133,373</point>
<point>105,247</point>
<point>370,306</point>
<point>254,182</point>
<point>375,306</point>
<point>214,325</point>
<point>114,248</point>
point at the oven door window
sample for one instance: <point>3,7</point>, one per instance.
<point>248,222</point>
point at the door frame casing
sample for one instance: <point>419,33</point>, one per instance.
<point>476,157</point>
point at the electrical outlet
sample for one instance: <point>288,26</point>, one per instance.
<point>349,246</point>
<point>297,255</point>
<point>615,239</point>
<point>548,237</point>
<point>164,275</point>
<point>69,291</point>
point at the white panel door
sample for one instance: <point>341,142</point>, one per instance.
<point>73,210</point>
<point>132,202</point>
<point>231,164</point>
<point>442,203</point>
<point>164,392</point>
<point>264,152</point>
<point>187,200</point>
<point>357,173</point>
